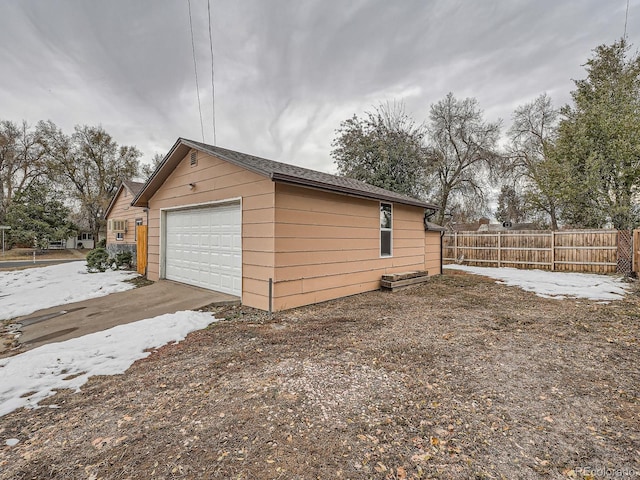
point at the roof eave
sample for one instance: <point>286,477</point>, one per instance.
<point>433,227</point>
<point>155,181</point>
<point>113,200</point>
<point>227,158</point>
<point>280,177</point>
<point>141,200</point>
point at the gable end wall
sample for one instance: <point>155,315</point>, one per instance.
<point>217,180</point>
<point>122,210</point>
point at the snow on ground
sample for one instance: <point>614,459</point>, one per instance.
<point>51,367</point>
<point>26,291</point>
<point>554,284</point>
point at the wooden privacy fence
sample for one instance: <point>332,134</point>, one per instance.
<point>598,251</point>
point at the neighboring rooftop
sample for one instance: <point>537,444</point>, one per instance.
<point>276,171</point>
<point>133,187</point>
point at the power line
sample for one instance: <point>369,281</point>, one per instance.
<point>195,68</point>
<point>213,88</point>
<point>626,16</point>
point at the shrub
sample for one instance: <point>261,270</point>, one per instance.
<point>102,243</point>
<point>123,259</point>
<point>98,260</point>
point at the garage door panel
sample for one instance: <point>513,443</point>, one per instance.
<point>204,247</point>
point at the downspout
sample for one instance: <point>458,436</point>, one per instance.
<point>441,237</point>
<point>270,297</point>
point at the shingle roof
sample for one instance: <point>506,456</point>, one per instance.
<point>133,187</point>
<point>277,171</point>
<point>435,227</point>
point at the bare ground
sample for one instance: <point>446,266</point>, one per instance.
<point>27,254</point>
<point>458,378</point>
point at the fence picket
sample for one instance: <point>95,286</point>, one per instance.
<point>601,251</point>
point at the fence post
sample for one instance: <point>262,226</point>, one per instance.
<point>633,251</point>
<point>499,250</point>
<point>553,250</point>
<point>455,246</point>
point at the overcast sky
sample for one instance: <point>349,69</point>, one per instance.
<point>287,72</point>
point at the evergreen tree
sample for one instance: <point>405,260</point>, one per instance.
<point>598,144</point>
<point>510,206</point>
<point>383,149</point>
<point>37,217</point>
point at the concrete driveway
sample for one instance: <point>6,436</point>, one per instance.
<point>76,319</point>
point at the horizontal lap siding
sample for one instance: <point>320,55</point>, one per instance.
<point>122,210</point>
<point>432,252</point>
<point>328,245</point>
<point>215,180</point>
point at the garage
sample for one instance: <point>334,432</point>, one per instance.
<point>203,247</point>
<point>277,235</point>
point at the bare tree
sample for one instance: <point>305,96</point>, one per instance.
<point>461,152</point>
<point>530,156</point>
<point>21,161</point>
<point>91,165</point>
<point>146,170</point>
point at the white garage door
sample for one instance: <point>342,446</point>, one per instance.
<point>203,247</point>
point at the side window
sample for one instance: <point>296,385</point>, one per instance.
<point>386,225</point>
<point>135,230</point>
<point>120,236</point>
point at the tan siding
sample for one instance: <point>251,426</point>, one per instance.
<point>216,180</point>
<point>292,301</point>
<point>315,245</point>
<point>433,252</point>
<point>327,245</point>
<point>122,210</point>
<point>338,218</point>
<point>260,302</point>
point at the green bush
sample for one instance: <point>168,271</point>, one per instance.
<point>102,243</point>
<point>98,260</point>
<point>123,259</point>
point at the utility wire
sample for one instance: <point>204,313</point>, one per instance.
<point>213,88</point>
<point>195,68</point>
<point>626,16</point>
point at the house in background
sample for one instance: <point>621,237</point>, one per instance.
<point>277,235</point>
<point>83,240</point>
<point>123,220</point>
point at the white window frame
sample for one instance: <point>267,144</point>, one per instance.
<point>390,230</point>
<point>119,236</point>
<point>138,222</point>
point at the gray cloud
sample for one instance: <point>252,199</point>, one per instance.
<point>287,72</point>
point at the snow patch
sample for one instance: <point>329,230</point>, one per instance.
<point>26,291</point>
<point>557,285</point>
<point>32,376</point>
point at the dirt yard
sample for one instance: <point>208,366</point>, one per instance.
<point>25,254</point>
<point>459,378</point>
